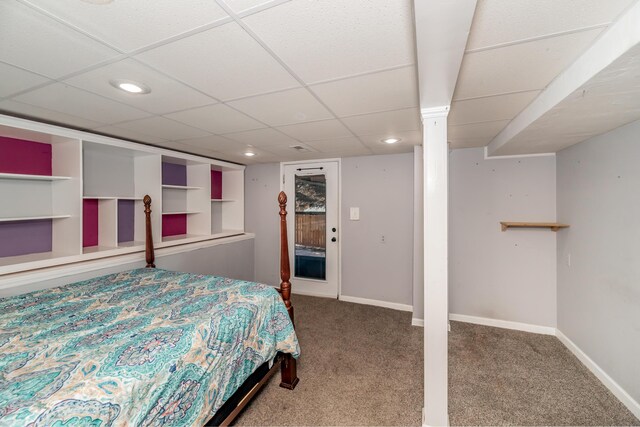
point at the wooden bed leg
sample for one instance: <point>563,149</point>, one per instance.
<point>288,370</point>
<point>150,256</point>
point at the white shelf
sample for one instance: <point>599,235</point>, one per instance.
<point>40,256</point>
<point>181,213</point>
<point>227,233</point>
<point>222,200</point>
<point>34,218</point>
<point>180,187</point>
<point>96,249</point>
<point>111,198</point>
<point>130,244</point>
<point>26,177</point>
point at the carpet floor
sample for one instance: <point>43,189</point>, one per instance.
<point>362,365</point>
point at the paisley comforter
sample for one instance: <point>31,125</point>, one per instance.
<point>145,347</point>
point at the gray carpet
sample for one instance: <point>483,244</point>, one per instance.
<point>362,365</point>
<point>503,377</point>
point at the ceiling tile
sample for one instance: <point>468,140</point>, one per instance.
<point>314,131</point>
<point>502,21</point>
<point>262,138</point>
<point>284,150</point>
<point>164,128</point>
<point>283,108</point>
<point>16,80</point>
<point>70,100</point>
<point>239,6</point>
<point>322,40</point>
<point>218,119</point>
<point>525,66</point>
<point>131,24</point>
<point>224,62</point>
<point>387,123</point>
<point>492,108</point>
<point>128,134</point>
<point>43,114</point>
<point>476,130</point>
<point>410,138</point>
<point>215,143</point>
<point>387,90</point>
<point>35,42</point>
<point>166,94</point>
<point>337,144</point>
<point>469,142</point>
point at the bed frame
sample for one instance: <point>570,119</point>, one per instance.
<point>287,364</point>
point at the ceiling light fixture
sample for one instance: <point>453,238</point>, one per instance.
<point>131,86</point>
<point>249,154</point>
<point>391,140</point>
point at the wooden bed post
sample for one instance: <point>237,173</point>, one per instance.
<point>150,256</point>
<point>288,371</point>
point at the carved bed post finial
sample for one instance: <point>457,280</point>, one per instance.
<point>150,256</point>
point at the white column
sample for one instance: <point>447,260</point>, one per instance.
<point>435,265</point>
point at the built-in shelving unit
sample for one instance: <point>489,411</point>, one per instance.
<point>553,226</point>
<point>70,196</point>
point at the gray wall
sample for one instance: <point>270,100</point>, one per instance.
<point>502,275</point>
<point>418,233</point>
<point>599,293</point>
<point>261,188</point>
<point>233,260</point>
<point>382,187</point>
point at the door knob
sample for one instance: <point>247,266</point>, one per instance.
<point>333,239</point>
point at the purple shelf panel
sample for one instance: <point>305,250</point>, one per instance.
<point>216,185</point>
<point>89,222</point>
<point>25,237</point>
<point>24,157</point>
<point>126,220</point>
<point>173,174</point>
<point>173,225</point>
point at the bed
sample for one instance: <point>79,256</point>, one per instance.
<point>144,347</point>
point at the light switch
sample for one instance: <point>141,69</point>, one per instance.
<point>354,214</point>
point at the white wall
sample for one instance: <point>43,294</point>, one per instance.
<point>382,187</point>
<point>599,293</point>
<point>262,186</point>
<point>233,260</point>
<point>502,275</point>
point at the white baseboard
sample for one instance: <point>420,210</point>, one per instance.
<point>377,303</point>
<point>605,379</point>
<point>417,322</point>
<point>526,327</point>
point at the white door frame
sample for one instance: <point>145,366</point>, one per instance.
<point>303,162</point>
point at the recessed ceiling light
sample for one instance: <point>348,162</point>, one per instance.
<point>131,86</point>
<point>249,154</point>
<point>391,140</point>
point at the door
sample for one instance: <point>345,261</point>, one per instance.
<point>312,224</point>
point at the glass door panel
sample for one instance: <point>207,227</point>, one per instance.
<point>310,226</point>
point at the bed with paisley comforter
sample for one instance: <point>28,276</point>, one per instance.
<point>144,347</point>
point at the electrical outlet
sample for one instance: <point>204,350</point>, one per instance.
<point>382,238</point>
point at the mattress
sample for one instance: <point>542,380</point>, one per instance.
<point>145,347</point>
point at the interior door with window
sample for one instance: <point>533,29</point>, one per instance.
<point>312,224</point>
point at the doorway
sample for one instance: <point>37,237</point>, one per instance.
<point>312,224</point>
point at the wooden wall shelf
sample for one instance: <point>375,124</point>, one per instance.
<point>553,226</point>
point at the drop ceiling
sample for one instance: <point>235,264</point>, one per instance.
<point>516,48</point>
<point>226,76</point>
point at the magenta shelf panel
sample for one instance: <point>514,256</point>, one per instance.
<point>173,225</point>
<point>216,185</point>
<point>24,157</point>
<point>89,222</point>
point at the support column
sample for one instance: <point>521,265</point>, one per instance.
<point>436,304</point>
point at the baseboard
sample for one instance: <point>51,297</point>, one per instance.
<point>505,324</point>
<point>417,322</point>
<point>377,303</point>
<point>605,379</point>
